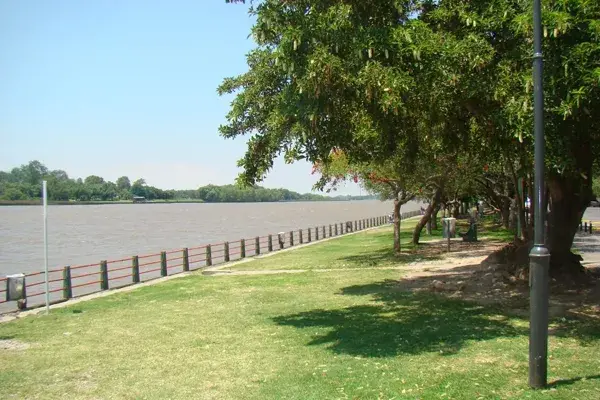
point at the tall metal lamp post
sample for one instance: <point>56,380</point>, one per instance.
<point>539,257</point>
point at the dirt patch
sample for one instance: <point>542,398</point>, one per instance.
<point>491,281</point>
<point>12,344</point>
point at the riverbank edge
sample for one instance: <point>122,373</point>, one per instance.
<point>11,203</point>
<point>11,316</point>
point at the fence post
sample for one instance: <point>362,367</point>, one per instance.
<point>270,244</point>
<point>323,235</point>
<point>316,233</point>
<point>186,260</point>
<point>301,236</point>
<point>309,235</point>
<point>103,275</point>
<point>257,246</point>
<point>163,263</point>
<point>135,269</point>
<point>67,287</point>
<point>336,231</point>
<point>292,238</point>
<point>226,252</point>
<point>243,248</point>
<point>590,226</point>
<point>330,231</point>
<point>585,226</point>
<point>281,240</point>
<point>208,256</point>
<point>341,228</point>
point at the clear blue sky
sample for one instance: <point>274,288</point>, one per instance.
<point>126,87</point>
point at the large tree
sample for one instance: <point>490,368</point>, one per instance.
<point>365,77</point>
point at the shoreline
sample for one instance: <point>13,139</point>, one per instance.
<point>9,203</point>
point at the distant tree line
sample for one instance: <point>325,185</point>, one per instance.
<point>24,183</point>
<point>236,194</point>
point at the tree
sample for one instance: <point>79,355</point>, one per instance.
<point>390,180</point>
<point>123,183</point>
<point>93,180</point>
<point>365,79</point>
<point>139,188</point>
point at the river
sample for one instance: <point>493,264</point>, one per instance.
<point>89,233</point>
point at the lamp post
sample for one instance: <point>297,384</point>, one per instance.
<point>539,257</point>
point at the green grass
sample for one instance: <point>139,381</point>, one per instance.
<point>327,335</point>
<point>367,250</point>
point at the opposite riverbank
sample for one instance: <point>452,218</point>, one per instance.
<point>353,321</point>
<point>182,201</point>
<point>87,203</point>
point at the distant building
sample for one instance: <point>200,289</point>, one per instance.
<point>139,199</point>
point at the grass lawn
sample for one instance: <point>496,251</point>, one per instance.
<point>366,250</point>
<point>315,335</point>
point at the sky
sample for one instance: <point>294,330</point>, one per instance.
<point>127,87</point>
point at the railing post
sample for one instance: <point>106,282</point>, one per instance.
<point>257,246</point>
<point>243,248</point>
<point>281,240</point>
<point>186,260</point>
<point>301,236</point>
<point>309,235</point>
<point>336,231</point>
<point>67,286</point>
<point>292,238</point>
<point>135,269</point>
<point>590,226</point>
<point>585,226</point>
<point>317,233</point>
<point>103,275</point>
<point>270,244</point>
<point>208,256</point>
<point>323,236</point>
<point>226,251</point>
<point>163,263</point>
<point>330,231</point>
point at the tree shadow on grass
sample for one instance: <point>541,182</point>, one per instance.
<point>401,322</point>
<point>386,257</point>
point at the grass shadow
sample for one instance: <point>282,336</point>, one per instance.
<point>384,257</point>
<point>401,322</point>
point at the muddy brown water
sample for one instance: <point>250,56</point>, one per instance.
<point>87,234</point>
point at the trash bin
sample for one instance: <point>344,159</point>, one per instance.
<point>449,227</point>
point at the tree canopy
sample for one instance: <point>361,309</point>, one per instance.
<point>447,81</point>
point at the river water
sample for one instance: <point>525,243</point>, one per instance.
<point>89,233</point>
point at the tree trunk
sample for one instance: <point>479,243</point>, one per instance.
<point>569,198</point>
<point>428,213</point>
<point>434,218</point>
<point>456,210</point>
<point>397,222</point>
<point>505,213</point>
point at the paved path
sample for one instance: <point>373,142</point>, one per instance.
<point>589,247</point>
